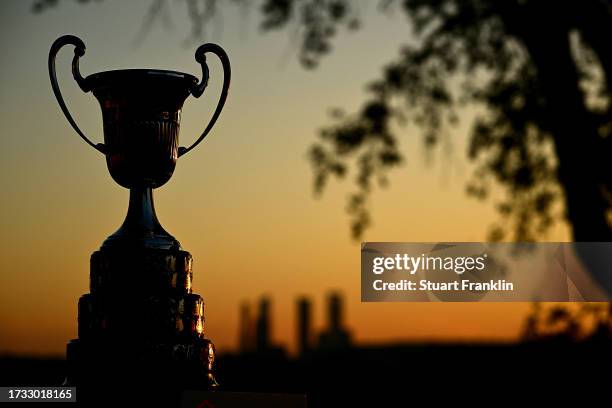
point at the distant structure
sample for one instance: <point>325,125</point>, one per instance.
<point>255,332</point>
<point>335,337</point>
<point>262,335</point>
<point>245,337</point>
<point>304,321</point>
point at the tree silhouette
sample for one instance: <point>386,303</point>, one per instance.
<point>583,322</point>
<point>538,69</point>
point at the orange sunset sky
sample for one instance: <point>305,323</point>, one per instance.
<point>241,203</point>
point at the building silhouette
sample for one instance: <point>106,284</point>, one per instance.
<point>303,326</point>
<point>336,336</point>
<point>245,336</point>
<point>255,334</point>
<point>263,326</point>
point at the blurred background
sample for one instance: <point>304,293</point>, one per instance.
<point>347,121</point>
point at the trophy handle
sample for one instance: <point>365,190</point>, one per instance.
<point>198,89</point>
<point>79,51</point>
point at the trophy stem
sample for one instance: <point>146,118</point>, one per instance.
<point>141,210</point>
<point>141,228</point>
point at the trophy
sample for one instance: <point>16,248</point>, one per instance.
<point>141,321</point>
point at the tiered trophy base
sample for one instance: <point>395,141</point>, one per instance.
<point>140,327</point>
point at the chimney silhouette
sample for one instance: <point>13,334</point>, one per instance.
<point>335,337</point>
<point>245,337</point>
<point>303,325</point>
<point>263,325</point>
<point>335,312</point>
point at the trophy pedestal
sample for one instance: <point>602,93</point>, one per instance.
<point>141,325</point>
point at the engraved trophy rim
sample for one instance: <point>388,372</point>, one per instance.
<point>117,77</point>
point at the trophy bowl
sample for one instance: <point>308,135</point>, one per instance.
<point>141,113</point>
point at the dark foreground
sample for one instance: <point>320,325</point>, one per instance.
<point>402,375</point>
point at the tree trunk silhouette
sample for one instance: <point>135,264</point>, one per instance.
<point>574,130</point>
